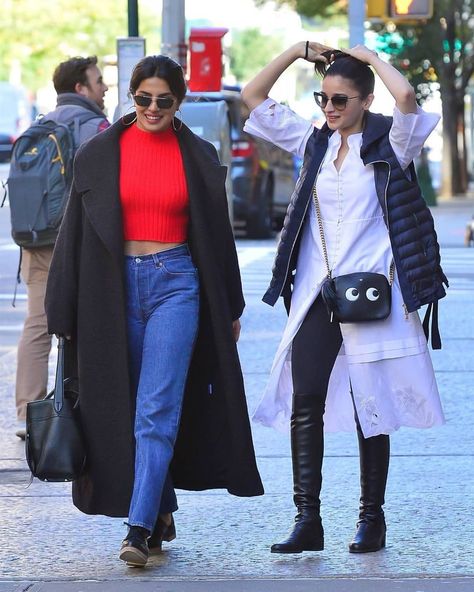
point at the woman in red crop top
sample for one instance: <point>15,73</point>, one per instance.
<point>145,281</point>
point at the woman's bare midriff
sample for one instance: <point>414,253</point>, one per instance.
<point>136,248</point>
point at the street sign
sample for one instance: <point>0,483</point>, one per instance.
<point>130,50</point>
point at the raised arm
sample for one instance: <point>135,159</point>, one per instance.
<point>396,83</point>
<point>256,91</point>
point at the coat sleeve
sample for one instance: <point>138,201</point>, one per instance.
<point>224,243</point>
<point>62,286</point>
<point>233,279</point>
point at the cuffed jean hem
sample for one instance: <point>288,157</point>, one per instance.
<point>141,525</point>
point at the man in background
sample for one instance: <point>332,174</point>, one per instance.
<point>80,89</point>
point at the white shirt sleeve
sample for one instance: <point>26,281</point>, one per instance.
<point>279,125</point>
<point>409,132</point>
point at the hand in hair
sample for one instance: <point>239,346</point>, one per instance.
<point>316,52</point>
<point>362,53</point>
<point>400,89</point>
<point>256,91</point>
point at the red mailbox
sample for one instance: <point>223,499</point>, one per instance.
<point>205,45</point>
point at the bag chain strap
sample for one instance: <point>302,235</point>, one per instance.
<point>321,230</point>
<point>323,240</point>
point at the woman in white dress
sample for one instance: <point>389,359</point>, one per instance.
<point>373,376</point>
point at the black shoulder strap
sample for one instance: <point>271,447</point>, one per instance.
<point>435,336</point>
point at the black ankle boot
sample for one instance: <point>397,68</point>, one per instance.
<point>307,535</point>
<point>134,550</point>
<point>307,456</point>
<point>161,532</point>
<point>370,535</point>
<point>374,459</point>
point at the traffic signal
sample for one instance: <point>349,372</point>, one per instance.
<point>410,9</point>
<point>399,10</point>
<point>376,9</point>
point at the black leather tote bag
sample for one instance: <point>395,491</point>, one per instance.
<point>55,448</point>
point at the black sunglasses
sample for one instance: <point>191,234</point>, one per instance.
<point>339,102</point>
<point>161,102</point>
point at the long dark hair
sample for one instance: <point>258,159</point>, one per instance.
<point>159,66</point>
<point>341,64</point>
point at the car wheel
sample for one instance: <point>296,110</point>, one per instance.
<point>260,225</point>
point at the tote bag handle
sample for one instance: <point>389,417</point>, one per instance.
<point>59,384</point>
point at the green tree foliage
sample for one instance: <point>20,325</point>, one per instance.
<point>438,51</point>
<point>441,51</point>
<point>311,8</point>
<point>38,35</point>
<point>251,51</point>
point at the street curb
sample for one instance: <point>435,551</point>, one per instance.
<point>265,585</point>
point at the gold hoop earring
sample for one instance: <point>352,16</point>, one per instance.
<point>176,129</point>
<point>130,122</point>
<point>129,111</point>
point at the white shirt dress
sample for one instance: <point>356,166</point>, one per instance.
<point>387,363</point>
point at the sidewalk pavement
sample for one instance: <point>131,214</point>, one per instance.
<point>223,542</point>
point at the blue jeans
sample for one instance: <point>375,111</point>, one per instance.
<point>162,318</point>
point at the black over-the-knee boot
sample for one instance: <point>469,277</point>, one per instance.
<point>374,459</point>
<point>307,455</point>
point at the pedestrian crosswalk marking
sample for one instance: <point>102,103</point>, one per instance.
<point>249,255</point>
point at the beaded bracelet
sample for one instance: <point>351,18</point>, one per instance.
<point>306,50</point>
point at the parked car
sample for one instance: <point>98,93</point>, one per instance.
<point>15,116</point>
<point>262,174</point>
<point>210,120</point>
<point>6,143</point>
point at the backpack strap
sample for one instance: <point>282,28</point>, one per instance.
<point>4,185</point>
<point>75,123</point>
<point>80,120</point>
<point>435,336</point>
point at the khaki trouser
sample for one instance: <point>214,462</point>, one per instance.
<point>35,343</point>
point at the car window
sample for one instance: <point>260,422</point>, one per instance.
<point>234,103</point>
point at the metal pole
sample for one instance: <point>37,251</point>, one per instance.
<point>173,30</point>
<point>356,22</point>
<point>133,18</point>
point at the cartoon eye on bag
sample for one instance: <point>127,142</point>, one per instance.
<point>357,297</point>
<point>372,294</point>
<point>352,294</point>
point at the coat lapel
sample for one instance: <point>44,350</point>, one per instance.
<point>97,178</point>
<point>205,176</point>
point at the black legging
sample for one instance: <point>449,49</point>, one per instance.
<point>314,351</point>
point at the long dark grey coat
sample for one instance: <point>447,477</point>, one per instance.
<point>85,299</point>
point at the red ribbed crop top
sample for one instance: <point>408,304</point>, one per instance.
<point>153,190</point>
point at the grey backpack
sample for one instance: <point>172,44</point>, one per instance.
<point>40,179</point>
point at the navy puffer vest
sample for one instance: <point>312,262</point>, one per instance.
<point>409,220</point>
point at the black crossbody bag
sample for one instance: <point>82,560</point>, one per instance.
<point>354,297</point>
